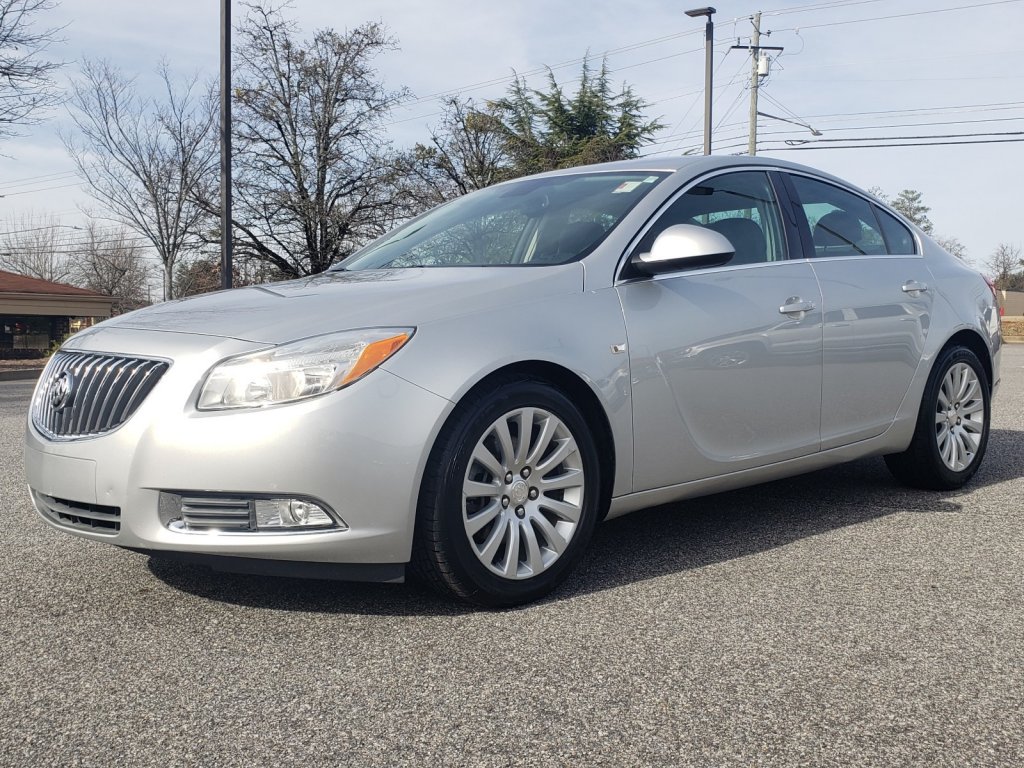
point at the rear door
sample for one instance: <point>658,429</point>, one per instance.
<point>876,299</point>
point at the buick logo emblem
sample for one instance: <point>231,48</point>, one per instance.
<point>62,391</point>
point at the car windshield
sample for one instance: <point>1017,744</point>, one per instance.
<point>538,221</point>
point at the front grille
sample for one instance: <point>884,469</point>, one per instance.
<point>85,395</point>
<point>77,514</point>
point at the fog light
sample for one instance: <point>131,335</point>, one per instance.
<point>292,513</point>
<point>237,513</point>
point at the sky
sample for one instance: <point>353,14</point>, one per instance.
<point>863,73</point>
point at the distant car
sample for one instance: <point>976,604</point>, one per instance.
<point>473,392</point>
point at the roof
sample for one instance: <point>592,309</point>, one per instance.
<point>692,165</point>
<point>14,283</point>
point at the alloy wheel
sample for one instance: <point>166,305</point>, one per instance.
<point>522,496</point>
<point>959,417</point>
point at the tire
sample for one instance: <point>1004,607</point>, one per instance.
<point>503,521</point>
<point>952,425</point>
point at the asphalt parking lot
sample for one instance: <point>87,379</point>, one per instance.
<point>833,619</point>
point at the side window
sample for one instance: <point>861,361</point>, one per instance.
<point>842,224</point>
<point>741,206</point>
<point>898,239</point>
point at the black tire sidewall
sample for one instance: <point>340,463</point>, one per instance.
<point>484,586</point>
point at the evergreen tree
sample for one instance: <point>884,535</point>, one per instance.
<point>547,130</point>
<point>909,203</point>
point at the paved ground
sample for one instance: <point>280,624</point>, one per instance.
<point>835,619</point>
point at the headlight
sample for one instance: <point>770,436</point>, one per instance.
<point>298,370</point>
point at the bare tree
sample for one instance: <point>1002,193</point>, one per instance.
<point>465,153</point>
<point>144,160</point>
<point>36,246</point>
<point>1005,267</point>
<point>201,274</point>
<point>26,77</point>
<point>953,246</point>
<point>112,262</point>
<point>314,173</point>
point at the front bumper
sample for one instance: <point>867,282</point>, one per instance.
<point>361,450</point>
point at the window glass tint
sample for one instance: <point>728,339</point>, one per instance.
<point>741,206</point>
<point>841,223</point>
<point>898,238</point>
<point>550,220</point>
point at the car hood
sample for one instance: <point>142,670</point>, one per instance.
<point>279,312</point>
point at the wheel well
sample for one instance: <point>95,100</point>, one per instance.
<point>977,345</point>
<point>582,396</point>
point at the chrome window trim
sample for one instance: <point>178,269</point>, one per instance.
<point>870,201</point>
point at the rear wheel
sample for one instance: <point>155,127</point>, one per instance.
<point>510,498</point>
<point>952,425</point>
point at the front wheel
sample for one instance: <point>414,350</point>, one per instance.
<point>952,425</point>
<point>510,496</point>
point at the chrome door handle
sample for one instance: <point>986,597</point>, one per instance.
<point>914,288</point>
<point>796,306</point>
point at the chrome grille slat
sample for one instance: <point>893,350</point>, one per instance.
<point>129,372</point>
<point>215,502</point>
<point>201,514</point>
<point>101,386</point>
<point>84,373</point>
<point>111,393</point>
<point>143,388</point>
<point>107,390</point>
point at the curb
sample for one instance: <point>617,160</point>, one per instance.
<point>24,374</point>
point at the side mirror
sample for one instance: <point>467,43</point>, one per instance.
<point>684,246</point>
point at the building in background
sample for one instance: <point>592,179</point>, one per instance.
<point>37,314</point>
<point>1012,303</point>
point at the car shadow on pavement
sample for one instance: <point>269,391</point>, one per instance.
<point>671,538</point>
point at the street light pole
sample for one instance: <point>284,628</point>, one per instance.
<point>709,42</point>
<point>225,143</point>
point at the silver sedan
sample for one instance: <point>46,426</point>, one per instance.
<point>470,394</point>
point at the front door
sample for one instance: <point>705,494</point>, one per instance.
<point>725,362</point>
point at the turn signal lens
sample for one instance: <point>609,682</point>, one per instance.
<point>373,355</point>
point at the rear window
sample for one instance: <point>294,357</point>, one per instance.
<point>898,239</point>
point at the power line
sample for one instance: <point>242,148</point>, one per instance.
<point>910,144</point>
<point>908,125</point>
<point>817,7</point>
<point>34,179</point>
<point>795,142</point>
<point>897,15</point>
<point>41,189</point>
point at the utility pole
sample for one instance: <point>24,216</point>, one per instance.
<point>225,144</point>
<point>754,82</point>
<point>709,44</point>
<point>755,49</point>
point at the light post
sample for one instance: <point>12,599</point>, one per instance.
<point>709,42</point>
<point>225,144</point>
